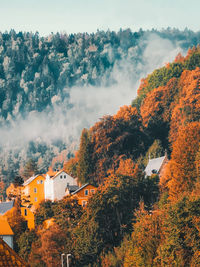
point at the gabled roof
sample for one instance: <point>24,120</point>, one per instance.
<point>154,165</point>
<point>6,206</point>
<point>80,188</point>
<point>57,173</point>
<point>31,179</point>
<point>9,258</point>
<point>5,227</point>
<point>72,188</point>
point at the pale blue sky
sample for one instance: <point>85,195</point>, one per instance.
<point>46,16</point>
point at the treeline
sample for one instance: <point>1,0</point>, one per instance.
<point>133,220</point>
<point>35,70</point>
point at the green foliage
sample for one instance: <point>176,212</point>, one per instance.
<point>44,212</point>
<point>85,166</point>
<point>155,150</point>
<point>108,216</point>
<point>67,213</point>
<point>25,242</point>
<point>181,230</point>
<point>18,180</point>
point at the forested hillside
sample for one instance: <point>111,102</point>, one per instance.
<point>133,220</point>
<point>39,77</point>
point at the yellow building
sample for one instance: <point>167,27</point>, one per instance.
<point>33,194</point>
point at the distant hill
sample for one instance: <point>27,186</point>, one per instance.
<point>39,75</point>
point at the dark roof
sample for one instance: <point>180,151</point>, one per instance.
<point>72,188</point>
<point>5,206</point>
<point>9,258</point>
<point>80,188</point>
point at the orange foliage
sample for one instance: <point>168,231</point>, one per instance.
<point>126,113</point>
<point>146,239</point>
<point>50,247</point>
<point>187,109</point>
<point>126,167</point>
<point>179,58</point>
<point>143,84</point>
<point>70,166</point>
<point>180,173</point>
<point>158,104</point>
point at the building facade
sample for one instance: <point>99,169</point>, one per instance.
<point>55,186</point>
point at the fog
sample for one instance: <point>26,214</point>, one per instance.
<point>89,103</point>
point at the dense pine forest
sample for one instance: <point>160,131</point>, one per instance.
<point>44,81</point>
<point>132,220</point>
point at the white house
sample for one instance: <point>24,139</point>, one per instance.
<point>55,186</point>
<point>155,166</point>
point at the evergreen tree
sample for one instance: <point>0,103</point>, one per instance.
<point>30,169</point>
<point>85,158</point>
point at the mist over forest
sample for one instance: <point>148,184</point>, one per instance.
<point>52,87</point>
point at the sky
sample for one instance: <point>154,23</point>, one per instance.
<point>72,16</point>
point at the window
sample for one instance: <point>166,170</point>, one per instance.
<point>60,176</point>
<point>25,212</point>
<point>65,176</point>
<point>38,182</point>
<point>86,192</point>
<point>92,191</point>
<point>67,184</point>
<point>41,181</point>
<point>35,190</point>
<point>84,203</point>
<point>35,199</point>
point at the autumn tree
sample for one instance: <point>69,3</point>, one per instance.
<point>145,239</point>
<point>46,251</point>
<point>108,216</point>
<point>181,174</point>
<point>71,166</point>
<point>116,136</point>
<point>180,231</point>
<point>187,108</point>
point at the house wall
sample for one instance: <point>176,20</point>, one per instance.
<point>34,192</point>
<point>8,239</point>
<point>48,188</point>
<point>82,196</point>
<point>60,183</point>
<point>29,217</point>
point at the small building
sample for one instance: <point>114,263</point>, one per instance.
<point>8,257</point>
<point>6,232</point>
<point>155,166</point>
<point>6,206</point>
<point>32,195</point>
<point>55,186</point>
<point>84,193</point>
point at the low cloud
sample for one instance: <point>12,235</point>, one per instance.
<point>89,103</point>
